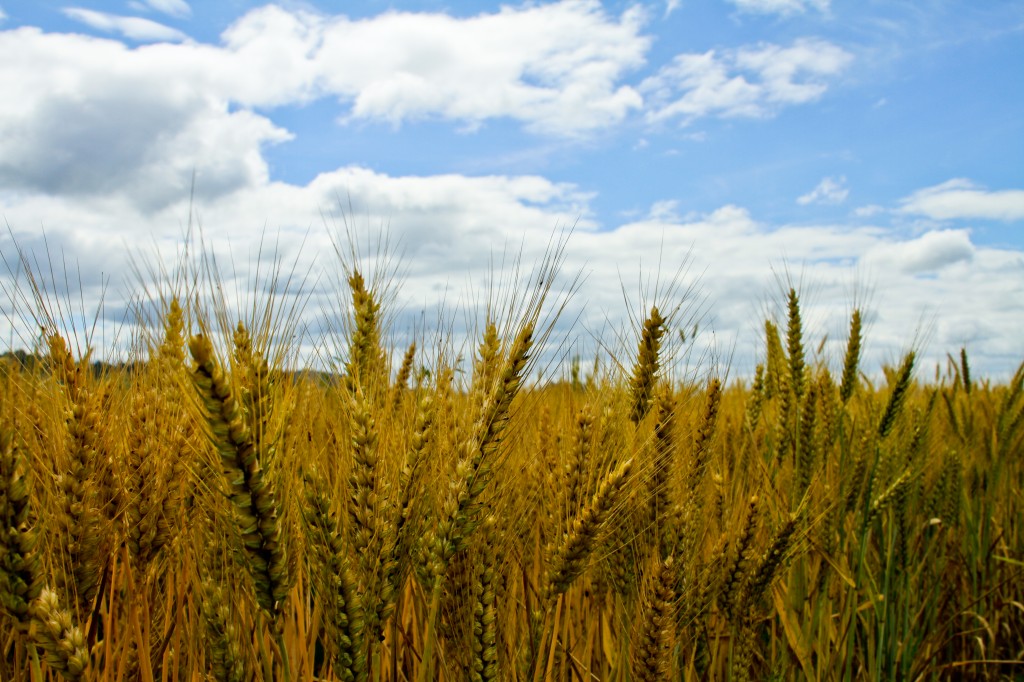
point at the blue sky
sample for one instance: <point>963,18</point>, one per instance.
<point>872,148</point>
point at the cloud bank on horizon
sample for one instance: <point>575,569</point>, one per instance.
<point>749,138</point>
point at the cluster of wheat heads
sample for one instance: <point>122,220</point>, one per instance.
<point>207,513</point>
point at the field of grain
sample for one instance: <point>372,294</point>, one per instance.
<point>205,513</point>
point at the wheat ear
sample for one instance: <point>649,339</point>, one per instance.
<point>484,661</point>
<point>898,396</point>
<point>645,370</point>
<point>568,558</point>
<point>227,663</point>
<point>402,378</point>
<point>664,454</point>
<point>795,346</point>
<point>366,363</point>
<point>571,484</point>
<point>852,359</point>
<point>461,509</point>
<point>62,642</point>
<point>771,561</point>
<point>20,576</point>
<point>688,511</point>
<point>334,583</point>
<point>738,566</point>
<point>651,660</point>
<point>79,519</point>
<point>251,495</point>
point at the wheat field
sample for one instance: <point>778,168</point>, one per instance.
<point>207,511</point>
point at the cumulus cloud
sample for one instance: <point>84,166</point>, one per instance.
<point>556,68</point>
<point>961,198</point>
<point>174,8</point>
<point>930,252</point>
<point>828,191</point>
<point>553,66</point>
<point>754,81</point>
<point>116,120</point>
<point>82,115</point>
<point>133,28</point>
<point>452,227</point>
<point>784,7</point>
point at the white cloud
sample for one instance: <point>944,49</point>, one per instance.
<point>828,191</point>
<point>960,198</point>
<point>671,6</point>
<point>868,211</point>
<point>555,67</point>
<point>784,7</point>
<point>795,74</point>
<point>666,210</point>
<point>752,81</point>
<point>3,15</point>
<point>450,227</point>
<point>133,28</point>
<point>174,8</point>
<point>83,115</point>
<point>109,119</point>
<point>929,252</point>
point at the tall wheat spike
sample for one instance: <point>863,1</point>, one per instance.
<point>574,471</point>
<point>645,368</point>
<point>775,361</point>
<point>851,362</point>
<point>366,361</point>
<point>252,497</point>
<point>364,508</point>
<point>795,346</point>
<point>460,513</point>
<point>898,395</point>
<point>80,522</point>
<point>757,396</point>
<point>402,378</point>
